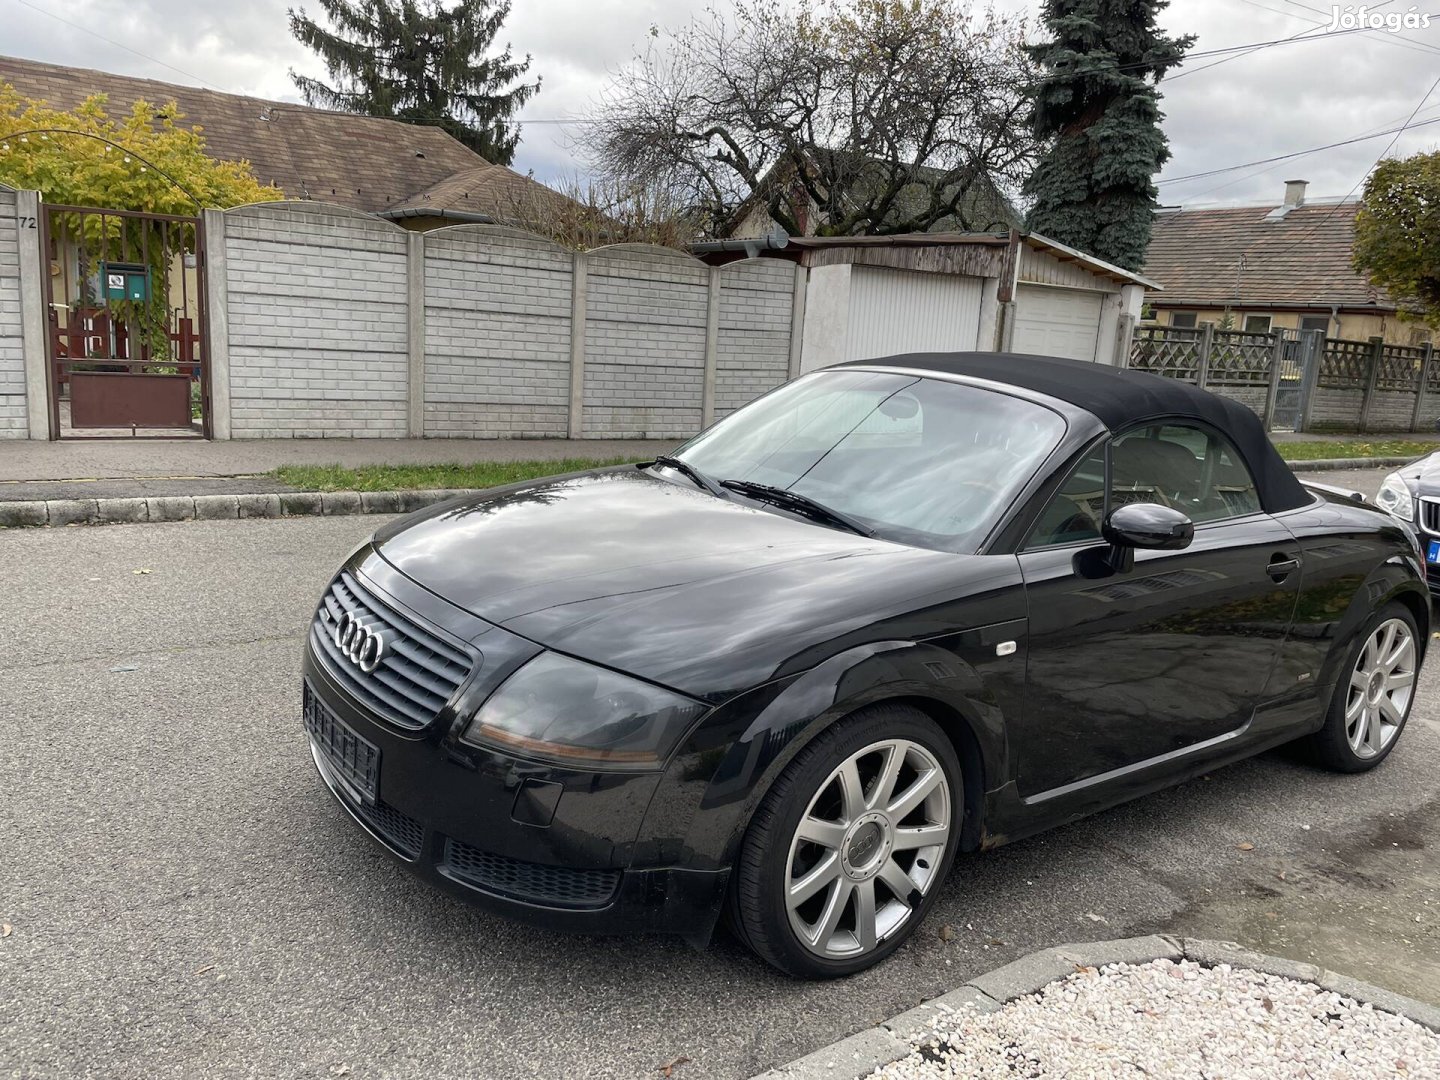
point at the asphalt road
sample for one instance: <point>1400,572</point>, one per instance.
<point>186,900</point>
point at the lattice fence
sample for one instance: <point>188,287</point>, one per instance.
<point>1399,368</point>
<point>1164,350</point>
<point>1240,366</point>
<point>1344,365</point>
<point>1240,359</point>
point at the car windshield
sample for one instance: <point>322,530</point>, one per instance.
<point>921,461</point>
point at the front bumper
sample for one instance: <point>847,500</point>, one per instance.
<point>547,846</point>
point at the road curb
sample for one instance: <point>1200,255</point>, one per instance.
<point>57,512</point>
<point>865,1051</point>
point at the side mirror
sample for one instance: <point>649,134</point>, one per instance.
<point>1149,526</point>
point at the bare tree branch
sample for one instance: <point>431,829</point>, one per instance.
<point>852,117</point>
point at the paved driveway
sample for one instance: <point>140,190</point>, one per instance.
<point>187,901</point>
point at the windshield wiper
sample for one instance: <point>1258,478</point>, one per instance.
<point>700,479</point>
<point>802,504</point>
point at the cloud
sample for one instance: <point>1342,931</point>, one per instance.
<point>1274,101</point>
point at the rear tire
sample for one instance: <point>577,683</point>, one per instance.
<point>1373,694</point>
<point>868,811</point>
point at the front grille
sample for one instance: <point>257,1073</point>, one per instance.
<point>402,832</point>
<point>418,671</point>
<point>556,886</point>
<point>1430,516</point>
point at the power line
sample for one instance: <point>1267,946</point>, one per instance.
<point>1230,52</point>
<point>1388,147</point>
<point>120,45</point>
<point>1298,153</point>
<point>1396,39</point>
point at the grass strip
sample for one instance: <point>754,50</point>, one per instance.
<point>480,474</point>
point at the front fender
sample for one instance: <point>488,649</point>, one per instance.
<point>729,765</point>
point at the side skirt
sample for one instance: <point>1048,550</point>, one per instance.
<point>1010,816</point>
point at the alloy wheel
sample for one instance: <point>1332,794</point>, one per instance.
<point>868,848</point>
<point>1381,686</point>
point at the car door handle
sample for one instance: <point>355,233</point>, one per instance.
<point>1281,567</point>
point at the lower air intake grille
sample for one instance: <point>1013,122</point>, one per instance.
<point>401,831</point>
<point>556,886</point>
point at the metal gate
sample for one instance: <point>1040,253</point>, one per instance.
<point>125,307</point>
<point>1299,364</point>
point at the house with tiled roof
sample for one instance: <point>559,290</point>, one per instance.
<point>418,175</point>
<point>1268,267</point>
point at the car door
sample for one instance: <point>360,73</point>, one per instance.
<point>1126,667</point>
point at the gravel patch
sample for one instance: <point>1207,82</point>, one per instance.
<point>1171,1019</point>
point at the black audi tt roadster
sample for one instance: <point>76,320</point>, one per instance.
<point>890,613</point>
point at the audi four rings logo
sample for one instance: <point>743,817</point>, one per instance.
<point>364,645</point>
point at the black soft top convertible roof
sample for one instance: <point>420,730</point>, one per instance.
<point>1121,399</point>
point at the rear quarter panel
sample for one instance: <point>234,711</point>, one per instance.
<point>1356,559</point>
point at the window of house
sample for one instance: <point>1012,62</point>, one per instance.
<point>1183,320</point>
<point>1257,324</point>
<point>1315,322</point>
<point>1192,469</point>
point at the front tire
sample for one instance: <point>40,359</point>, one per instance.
<point>845,855</point>
<point>1373,694</point>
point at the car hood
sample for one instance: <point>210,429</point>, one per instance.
<point>1423,476</point>
<point>668,582</point>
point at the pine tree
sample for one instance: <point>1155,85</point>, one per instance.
<point>415,60</point>
<point>1098,100</point>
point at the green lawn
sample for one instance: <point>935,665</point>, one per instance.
<point>1314,451</point>
<point>482,474</point>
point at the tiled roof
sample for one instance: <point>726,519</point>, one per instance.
<point>364,162</point>
<point>491,190</point>
<point>1235,256</point>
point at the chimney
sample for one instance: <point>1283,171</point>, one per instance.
<point>1295,193</point>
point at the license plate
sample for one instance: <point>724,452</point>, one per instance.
<point>354,761</point>
<point>1433,554</point>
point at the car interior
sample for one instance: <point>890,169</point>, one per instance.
<point>1188,468</point>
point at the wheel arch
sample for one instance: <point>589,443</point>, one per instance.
<point>972,763</point>
<point>1393,581</point>
<point>889,673</point>
<point>1418,604</point>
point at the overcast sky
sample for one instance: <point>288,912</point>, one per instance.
<point>1278,100</point>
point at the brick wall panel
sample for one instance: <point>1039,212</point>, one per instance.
<point>646,314</point>
<point>753,345</point>
<point>318,332</point>
<point>497,335</point>
<point>1330,407</point>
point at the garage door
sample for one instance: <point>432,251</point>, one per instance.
<point>896,311</point>
<point>1057,322</point>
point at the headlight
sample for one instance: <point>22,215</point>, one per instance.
<point>1395,496</point>
<point>574,713</point>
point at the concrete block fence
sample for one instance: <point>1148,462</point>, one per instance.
<point>329,322</point>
